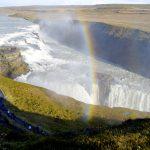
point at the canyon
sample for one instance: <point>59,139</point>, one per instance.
<point>62,63</point>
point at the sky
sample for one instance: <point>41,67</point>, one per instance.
<point>68,2</point>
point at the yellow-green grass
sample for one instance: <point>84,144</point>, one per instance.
<point>133,134</point>
<point>32,104</point>
<point>55,112</point>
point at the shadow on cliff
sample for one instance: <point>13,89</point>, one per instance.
<point>127,48</point>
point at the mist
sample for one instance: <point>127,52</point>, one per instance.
<point>127,48</point>
<point>66,31</point>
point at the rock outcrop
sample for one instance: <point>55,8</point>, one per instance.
<point>11,62</point>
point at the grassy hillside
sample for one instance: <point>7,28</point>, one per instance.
<point>133,134</point>
<point>32,104</point>
<point>58,113</point>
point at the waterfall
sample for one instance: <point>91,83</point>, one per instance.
<point>120,88</point>
<point>66,71</point>
<point>123,96</point>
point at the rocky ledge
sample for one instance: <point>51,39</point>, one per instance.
<point>11,62</point>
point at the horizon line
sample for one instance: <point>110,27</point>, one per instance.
<point>75,5</point>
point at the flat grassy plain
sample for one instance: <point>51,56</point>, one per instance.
<point>128,16</point>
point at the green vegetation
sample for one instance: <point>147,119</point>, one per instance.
<point>32,104</point>
<point>132,134</point>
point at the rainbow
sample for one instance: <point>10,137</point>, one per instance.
<point>90,48</point>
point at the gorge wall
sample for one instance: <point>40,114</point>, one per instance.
<point>125,47</point>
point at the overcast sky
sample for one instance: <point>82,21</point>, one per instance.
<point>68,2</point>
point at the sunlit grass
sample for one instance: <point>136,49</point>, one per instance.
<point>55,112</point>
<point>33,104</point>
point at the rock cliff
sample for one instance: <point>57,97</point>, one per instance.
<point>11,62</point>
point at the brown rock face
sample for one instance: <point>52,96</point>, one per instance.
<point>11,62</point>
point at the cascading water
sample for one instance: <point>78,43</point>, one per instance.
<point>68,72</point>
<point>124,92</point>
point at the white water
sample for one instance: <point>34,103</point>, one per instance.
<point>68,72</point>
